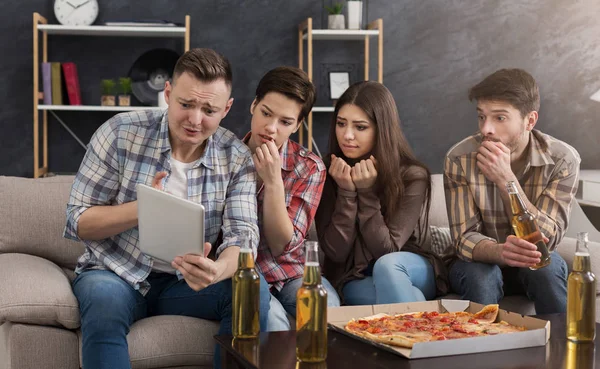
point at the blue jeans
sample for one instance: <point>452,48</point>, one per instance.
<point>488,283</point>
<point>395,277</point>
<point>284,301</point>
<point>109,306</point>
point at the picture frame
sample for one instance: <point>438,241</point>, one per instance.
<point>322,80</point>
<point>338,83</point>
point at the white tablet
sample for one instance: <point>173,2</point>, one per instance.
<point>169,226</point>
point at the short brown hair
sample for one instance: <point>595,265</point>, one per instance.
<point>291,82</point>
<point>206,65</point>
<point>514,86</point>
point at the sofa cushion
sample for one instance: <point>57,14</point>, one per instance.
<point>33,214</point>
<point>171,341</point>
<point>34,346</point>
<point>36,291</point>
<point>168,340</point>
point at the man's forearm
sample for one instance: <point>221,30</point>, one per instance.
<point>276,226</point>
<point>487,251</point>
<point>227,263</point>
<point>100,222</point>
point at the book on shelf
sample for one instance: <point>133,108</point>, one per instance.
<point>47,83</point>
<point>56,84</point>
<point>72,83</point>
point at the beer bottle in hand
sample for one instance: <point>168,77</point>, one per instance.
<point>246,294</point>
<point>581,295</point>
<point>311,310</point>
<point>525,226</point>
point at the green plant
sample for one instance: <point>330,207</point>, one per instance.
<point>125,85</point>
<point>108,87</point>
<point>335,8</point>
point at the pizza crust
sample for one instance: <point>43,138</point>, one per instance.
<point>488,314</point>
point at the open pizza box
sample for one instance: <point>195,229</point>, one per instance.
<point>537,333</point>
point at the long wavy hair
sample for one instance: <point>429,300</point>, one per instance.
<point>391,150</point>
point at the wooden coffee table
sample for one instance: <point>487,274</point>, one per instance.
<point>277,350</point>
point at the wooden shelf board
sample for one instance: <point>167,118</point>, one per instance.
<point>323,109</point>
<point>341,34</point>
<point>95,108</point>
<point>56,29</point>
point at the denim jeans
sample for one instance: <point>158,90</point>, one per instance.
<point>284,302</point>
<point>395,277</point>
<point>488,283</point>
<point>109,306</point>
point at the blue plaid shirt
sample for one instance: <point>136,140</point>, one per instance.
<point>131,148</point>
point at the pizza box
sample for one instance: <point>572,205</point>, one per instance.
<point>537,333</point>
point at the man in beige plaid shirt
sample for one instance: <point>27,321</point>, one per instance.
<point>491,260</point>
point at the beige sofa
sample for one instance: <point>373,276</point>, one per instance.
<point>39,315</point>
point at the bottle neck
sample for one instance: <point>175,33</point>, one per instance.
<point>246,259</point>
<point>312,255</point>
<point>312,274</point>
<point>312,269</point>
<point>582,262</point>
<point>517,205</point>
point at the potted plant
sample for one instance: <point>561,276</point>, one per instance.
<point>108,92</point>
<point>354,14</point>
<point>125,91</point>
<point>336,18</point>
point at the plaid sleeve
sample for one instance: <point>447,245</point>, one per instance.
<point>463,215</point>
<point>306,196</point>
<point>554,205</point>
<point>240,216</point>
<point>97,180</point>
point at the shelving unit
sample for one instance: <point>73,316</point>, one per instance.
<point>306,32</point>
<point>41,26</point>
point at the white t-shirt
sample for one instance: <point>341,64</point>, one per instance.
<point>176,185</point>
<point>177,182</point>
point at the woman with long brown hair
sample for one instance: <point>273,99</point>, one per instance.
<point>374,196</point>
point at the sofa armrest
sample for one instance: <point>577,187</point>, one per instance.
<point>566,249</point>
<point>36,291</point>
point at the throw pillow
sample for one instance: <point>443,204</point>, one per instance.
<point>440,239</point>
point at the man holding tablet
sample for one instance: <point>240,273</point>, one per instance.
<point>184,151</point>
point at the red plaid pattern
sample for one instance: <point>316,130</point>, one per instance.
<point>303,175</point>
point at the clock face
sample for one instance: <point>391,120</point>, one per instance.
<point>76,12</point>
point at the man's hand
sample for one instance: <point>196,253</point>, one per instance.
<point>339,170</point>
<point>519,253</point>
<point>268,163</point>
<point>493,159</point>
<point>364,173</point>
<point>157,181</point>
<point>198,271</point>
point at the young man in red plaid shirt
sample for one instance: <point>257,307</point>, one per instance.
<point>291,180</point>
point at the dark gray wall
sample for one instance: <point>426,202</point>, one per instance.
<point>433,52</point>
